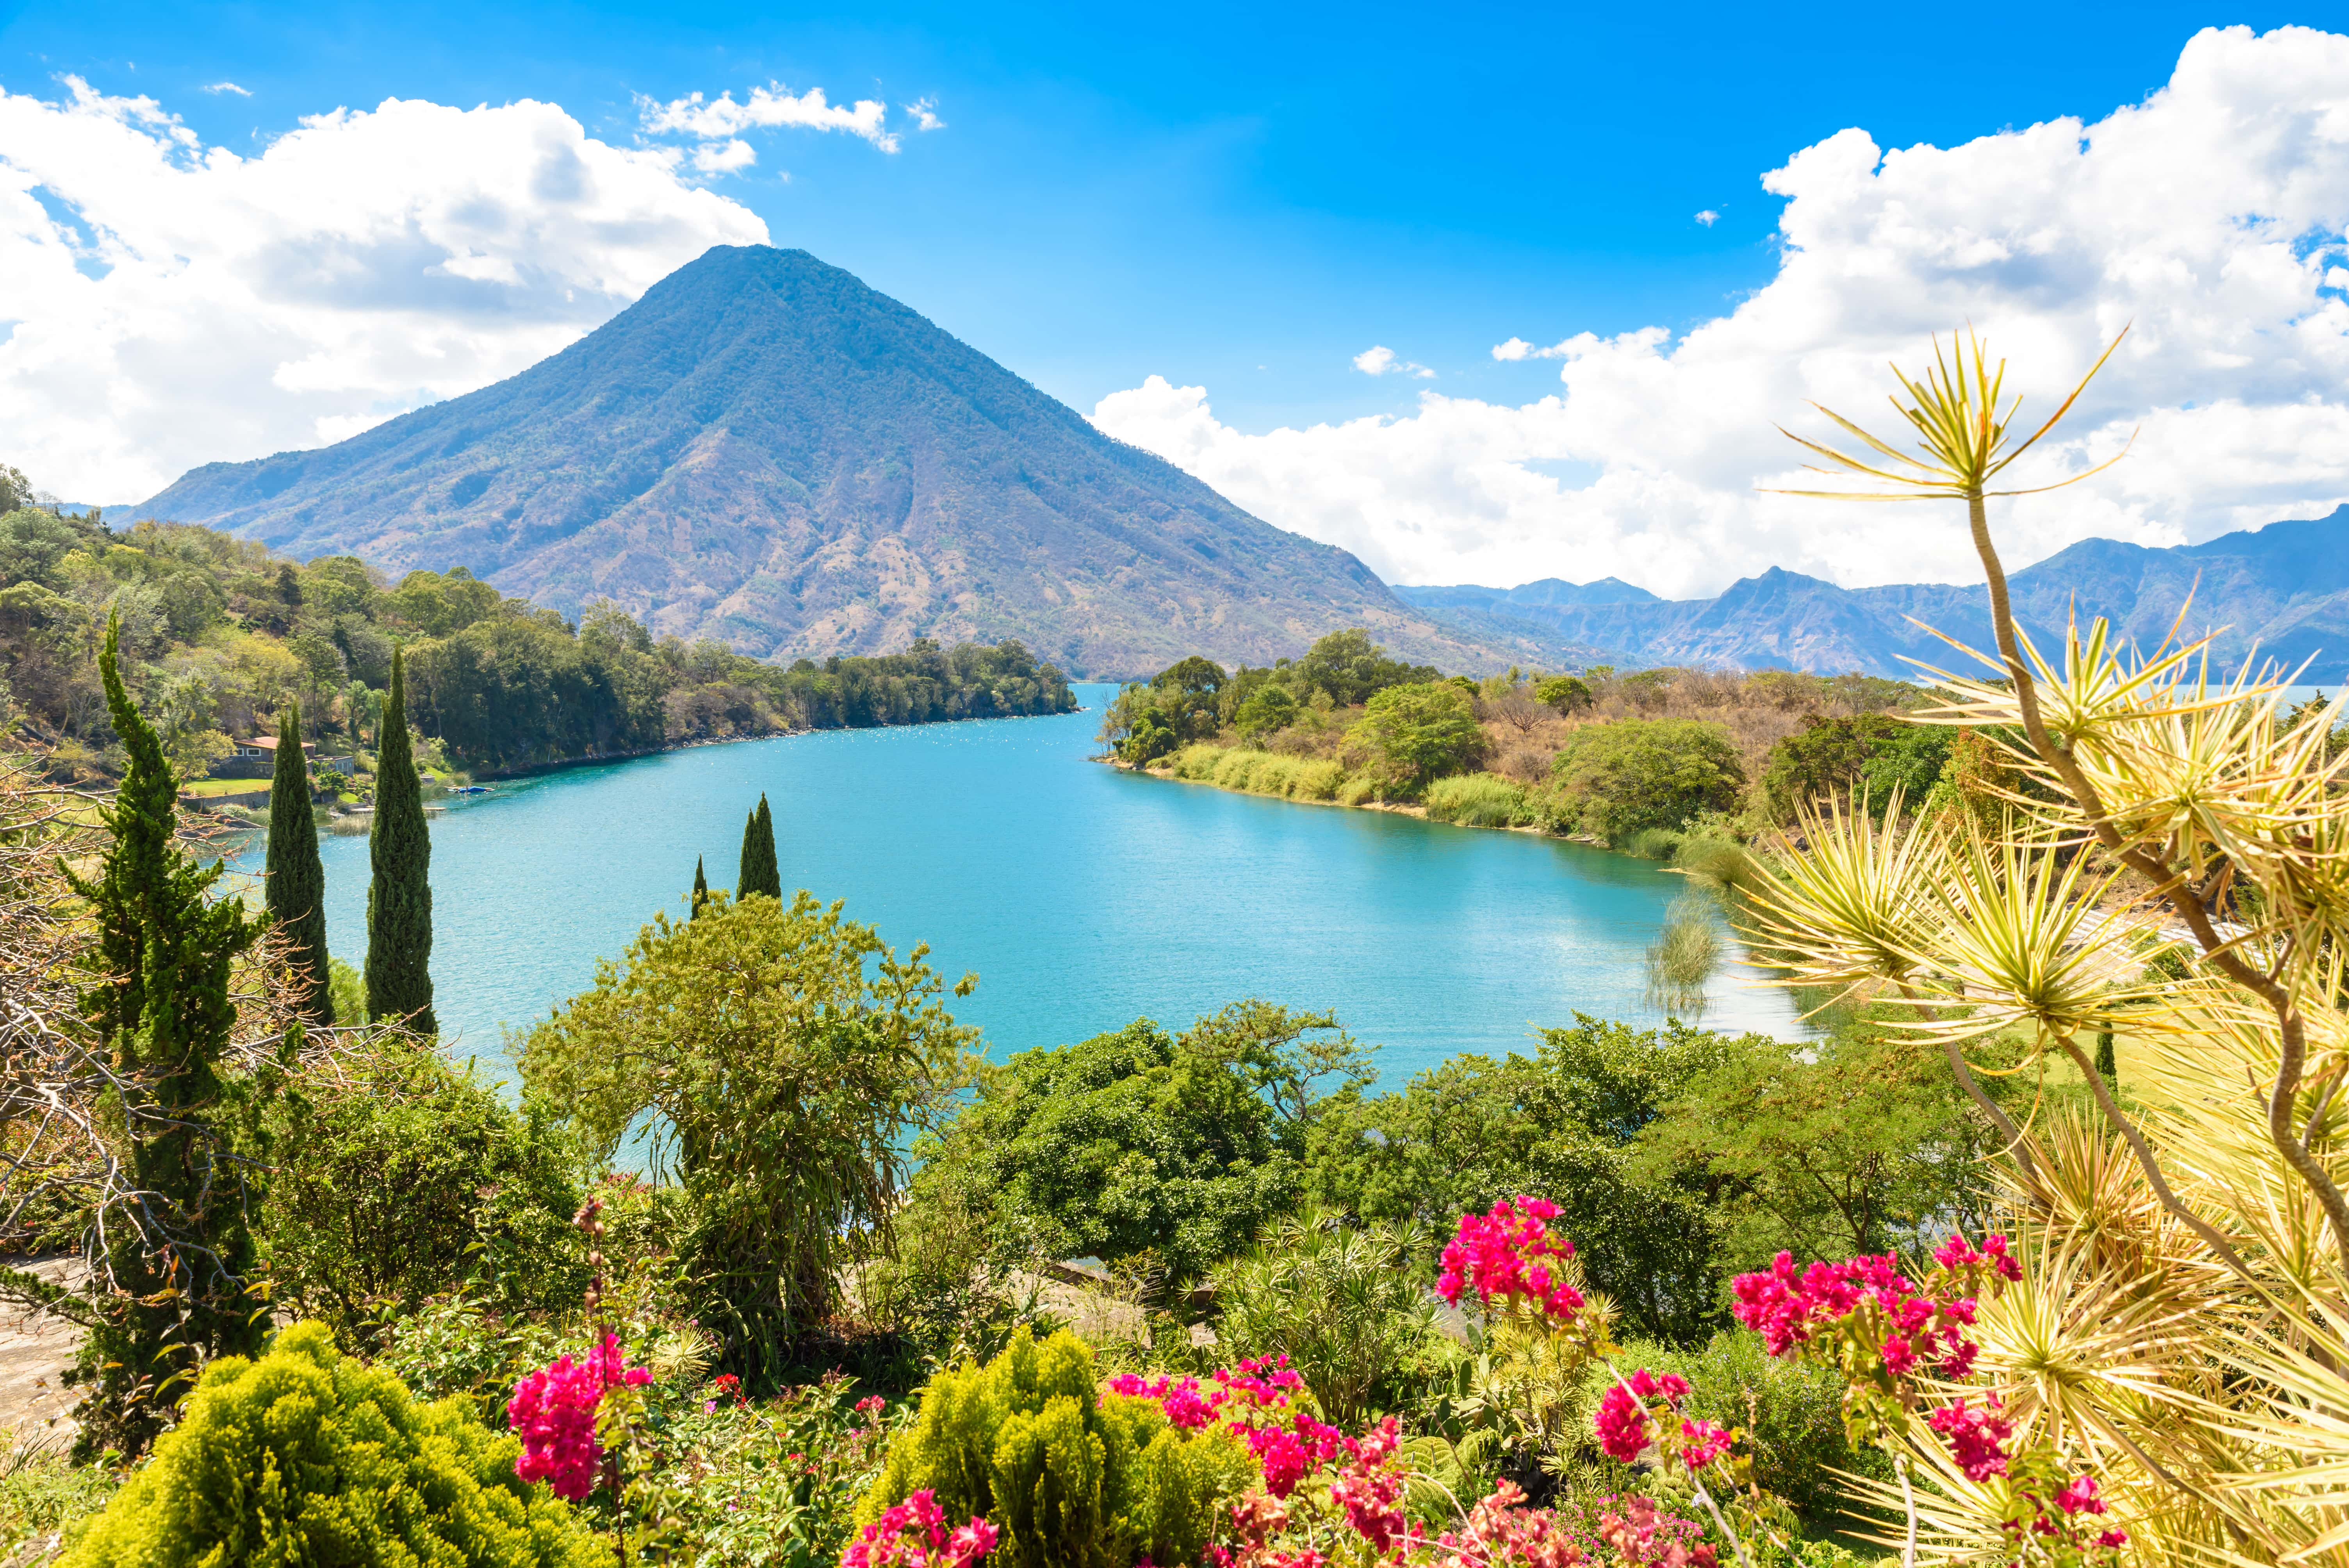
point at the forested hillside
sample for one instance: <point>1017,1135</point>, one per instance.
<point>220,634</point>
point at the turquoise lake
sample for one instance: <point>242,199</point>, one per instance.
<point>1082,896</point>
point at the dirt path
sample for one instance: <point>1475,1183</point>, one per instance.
<point>34,1347</point>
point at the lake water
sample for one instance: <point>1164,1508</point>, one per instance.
<point>1082,896</point>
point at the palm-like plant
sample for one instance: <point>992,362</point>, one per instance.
<point>2181,1330</point>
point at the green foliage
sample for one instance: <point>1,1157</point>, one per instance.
<point>347,990</point>
<point>1479,801</point>
<point>1145,1148</point>
<point>1073,1478</point>
<point>760,871</point>
<point>295,885</point>
<point>1568,694</point>
<point>306,1455</point>
<point>1352,669</point>
<point>700,889</point>
<point>1260,772</point>
<point>1770,1130</point>
<point>402,1177</point>
<point>1344,1302</point>
<point>44,1496</point>
<point>399,882</point>
<point>182,1260</point>
<point>783,1082</point>
<point>1637,773</point>
<point>1566,1124</point>
<point>774,1485</point>
<point>1868,754</point>
<point>1268,708</point>
<point>1418,733</point>
<point>1683,956</point>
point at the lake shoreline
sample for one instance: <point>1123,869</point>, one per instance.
<point>1393,807</point>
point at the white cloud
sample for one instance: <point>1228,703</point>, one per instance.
<point>2212,215</point>
<point>767,108</point>
<point>1380,360</point>
<point>925,114</point>
<point>164,303</point>
<point>1708,217</point>
<point>723,157</point>
<point>229,88</point>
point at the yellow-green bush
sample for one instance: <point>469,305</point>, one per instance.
<point>1478,800</point>
<point>1072,1477</point>
<point>1244,768</point>
<point>306,1455</point>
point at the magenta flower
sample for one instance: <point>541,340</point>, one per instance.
<point>1977,1439</point>
<point>1506,1253</point>
<point>1622,1418</point>
<point>554,1411</point>
<point>914,1534</point>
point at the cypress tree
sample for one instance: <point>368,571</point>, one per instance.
<point>295,887</point>
<point>760,872</point>
<point>399,890</point>
<point>2107,1067</point>
<point>701,887</point>
<point>180,1260</point>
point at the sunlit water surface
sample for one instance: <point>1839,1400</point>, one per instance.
<point>1083,897</point>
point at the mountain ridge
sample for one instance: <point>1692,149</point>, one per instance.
<point>2283,588</point>
<point>764,450</point>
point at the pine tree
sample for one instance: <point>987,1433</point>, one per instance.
<point>295,887</point>
<point>760,872</point>
<point>179,1258</point>
<point>399,890</point>
<point>701,887</point>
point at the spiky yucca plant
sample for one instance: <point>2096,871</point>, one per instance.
<point>2181,1327</point>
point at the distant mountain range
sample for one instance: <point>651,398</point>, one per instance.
<point>766,452</point>
<point>2284,588</point>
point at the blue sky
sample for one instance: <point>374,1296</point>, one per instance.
<point>1201,192</point>
<point>1201,228</point>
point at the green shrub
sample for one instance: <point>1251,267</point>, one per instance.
<point>407,1178</point>
<point>1722,862</point>
<point>1636,773</point>
<point>1344,1304</point>
<point>1420,733</point>
<point>1478,800</point>
<point>1073,1478</point>
<point>306,1455</point>
<point>1244,768</point>
<point>43,1495</point>
<point>1268,708</point>
<point>1195,763</point>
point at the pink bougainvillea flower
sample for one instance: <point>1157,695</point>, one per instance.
<point>1506,1253</point>
<point>1370,1490</point>
<point>553,1413</point>
<point>914,1534</point>
<point>1977,1439</point>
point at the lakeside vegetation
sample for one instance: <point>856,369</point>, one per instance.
<point>1634,760</point>
<point>1940,1284</point>
<point>220,635</point>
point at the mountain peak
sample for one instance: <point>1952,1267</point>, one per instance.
<point>765,450</point>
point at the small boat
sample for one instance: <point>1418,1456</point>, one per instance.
<point>470,790</point>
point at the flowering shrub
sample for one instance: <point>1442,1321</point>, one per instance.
<point>1626,1423</point>
<point>1255,1402</point>
<point>554,1412</point>
<point>914,1533</point>
<point>1510,1255</point>
<point>1888,1335</point>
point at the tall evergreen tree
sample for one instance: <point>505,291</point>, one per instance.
<point>179,1252</point>
<point>295,887</point>
<point>399,890</point>
<point>700,887</point>
<point>760,872</point>
<point>2106,1066</point>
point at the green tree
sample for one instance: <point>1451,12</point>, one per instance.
<point>1352,669</point>
<point>296,882</point>
<point>783,1082</point>
<point>1568,694</point>
<point>1346,1304</point>
<point>178,1250</point>
<point>1269,708</point>
<point>701,887</point>
<point>399,885</point>
<point>760,871</point>
<point>1419,733</point>
<point>1641,773</point>
<point>1143,1147</point>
